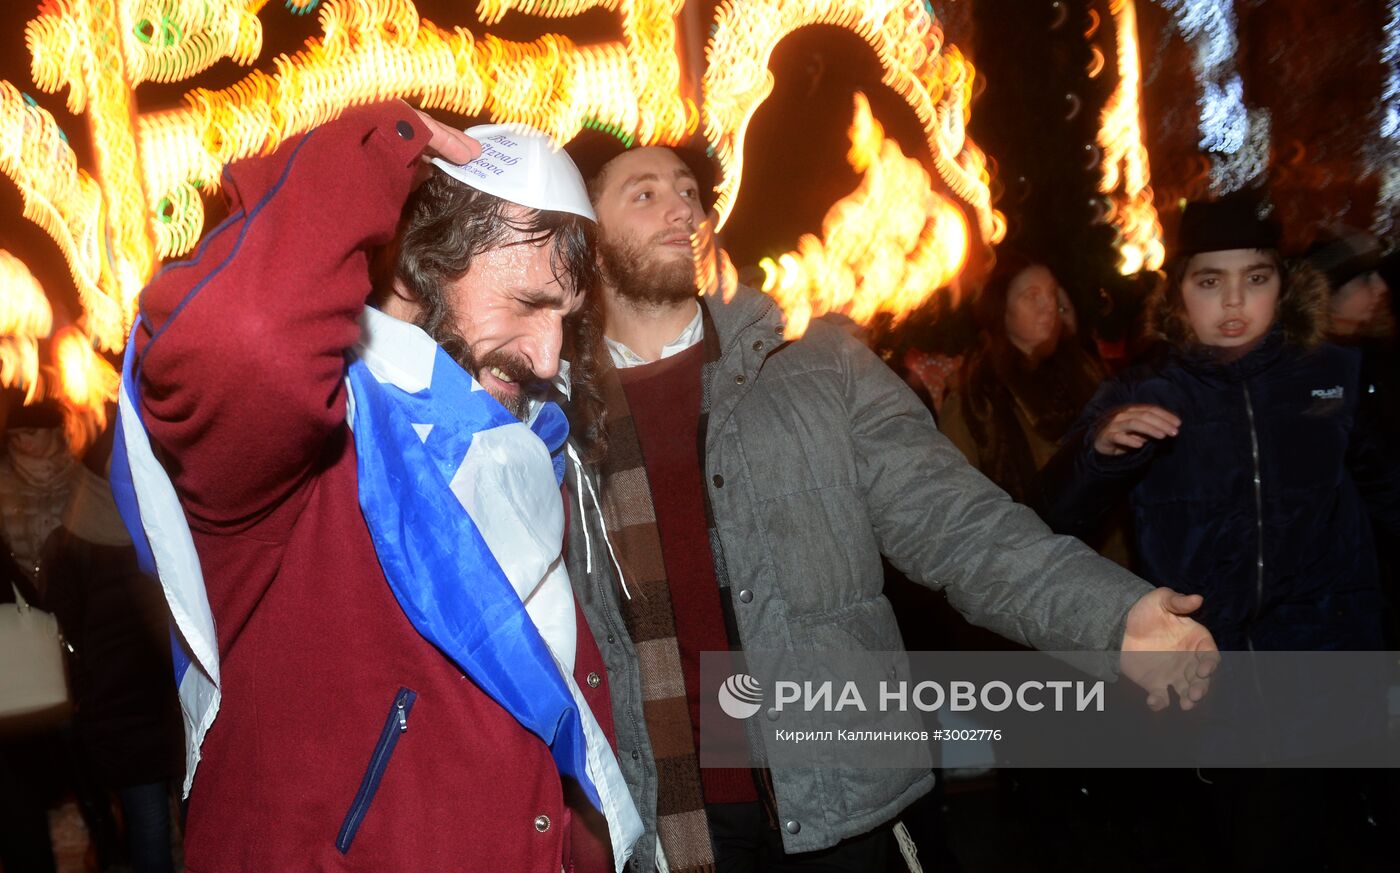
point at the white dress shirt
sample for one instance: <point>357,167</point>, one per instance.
<point>624,357</point>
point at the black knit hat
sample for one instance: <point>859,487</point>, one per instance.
<point>1343,253</point>
<point>1236,221</point>
<point>593,149</point>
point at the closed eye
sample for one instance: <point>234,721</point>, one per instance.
<point>542,303</point>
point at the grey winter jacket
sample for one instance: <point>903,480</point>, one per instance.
<point>818,459</point>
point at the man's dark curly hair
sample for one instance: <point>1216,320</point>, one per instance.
<point>445,225</point>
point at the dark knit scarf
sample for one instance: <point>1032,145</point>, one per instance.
<point>629,515</point>
<point>1051,396</point>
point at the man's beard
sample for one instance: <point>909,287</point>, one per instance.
<point>647,281</point>
<point>460,350</point>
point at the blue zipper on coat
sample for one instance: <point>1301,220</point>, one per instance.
<point>394,725</point>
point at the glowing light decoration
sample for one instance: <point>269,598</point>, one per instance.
<point>85,383</point>
<point>63,200</point>
<point>169,41</point>
<point>160,40</point>
<point>887,247</point>
<point>935,79</point>
<point>1385,152</point>
<point>72,44</point>
<point>1237,137</point>
<point>1125,165</point>
<point>25,318</point>
<point>375,50</point>
<point>142,201</point>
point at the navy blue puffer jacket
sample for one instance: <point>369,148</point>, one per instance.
<point>1260,503</point>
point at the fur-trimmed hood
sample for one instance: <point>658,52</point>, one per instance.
<point>1302,310</point>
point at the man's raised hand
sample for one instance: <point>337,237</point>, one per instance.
<point>448,143</point>
<point>1164,648</point>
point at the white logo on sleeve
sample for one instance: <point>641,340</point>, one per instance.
<point>1328,393</point>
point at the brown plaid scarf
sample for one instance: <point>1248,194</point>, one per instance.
<point>630,519</point>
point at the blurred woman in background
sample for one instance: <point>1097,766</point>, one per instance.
<point>1024,384</point>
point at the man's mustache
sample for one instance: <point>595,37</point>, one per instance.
<point>512,367</point>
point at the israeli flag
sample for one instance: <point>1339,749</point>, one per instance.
<point>152,513</point>
<point>462,501</point>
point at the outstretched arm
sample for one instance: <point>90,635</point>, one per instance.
<point>944,525</point>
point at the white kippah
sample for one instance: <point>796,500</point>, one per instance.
<point>523,166</point>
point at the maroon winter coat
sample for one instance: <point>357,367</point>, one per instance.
<point>241,362</point>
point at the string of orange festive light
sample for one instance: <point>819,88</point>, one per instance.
<point>1125,165</point>
<point>887,247</point>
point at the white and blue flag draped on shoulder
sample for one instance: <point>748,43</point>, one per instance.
<point>165,550</point>
<point>463,504</point>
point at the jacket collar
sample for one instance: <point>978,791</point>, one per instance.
<point>748,308</point>
<point>1205,361</point>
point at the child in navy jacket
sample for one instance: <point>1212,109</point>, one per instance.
<point>1249,472</point>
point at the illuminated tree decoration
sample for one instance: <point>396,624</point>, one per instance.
<point>84,384</point>
<point>72,45</point>
<point>887,247</point>
<point>935,79</point>
<point>142,202</point>
<point>171,40</point>
<point>81,380</point>
<point>25,318</point>
<point>63,200</point>
<point>1125,165</point>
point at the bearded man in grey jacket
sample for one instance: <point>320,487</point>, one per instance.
<point>750,486</point>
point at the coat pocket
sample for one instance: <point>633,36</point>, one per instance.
<point>395,725</point>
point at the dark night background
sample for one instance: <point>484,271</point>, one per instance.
<point>1314,64</point>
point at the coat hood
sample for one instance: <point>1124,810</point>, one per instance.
<point>1302,311</point>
